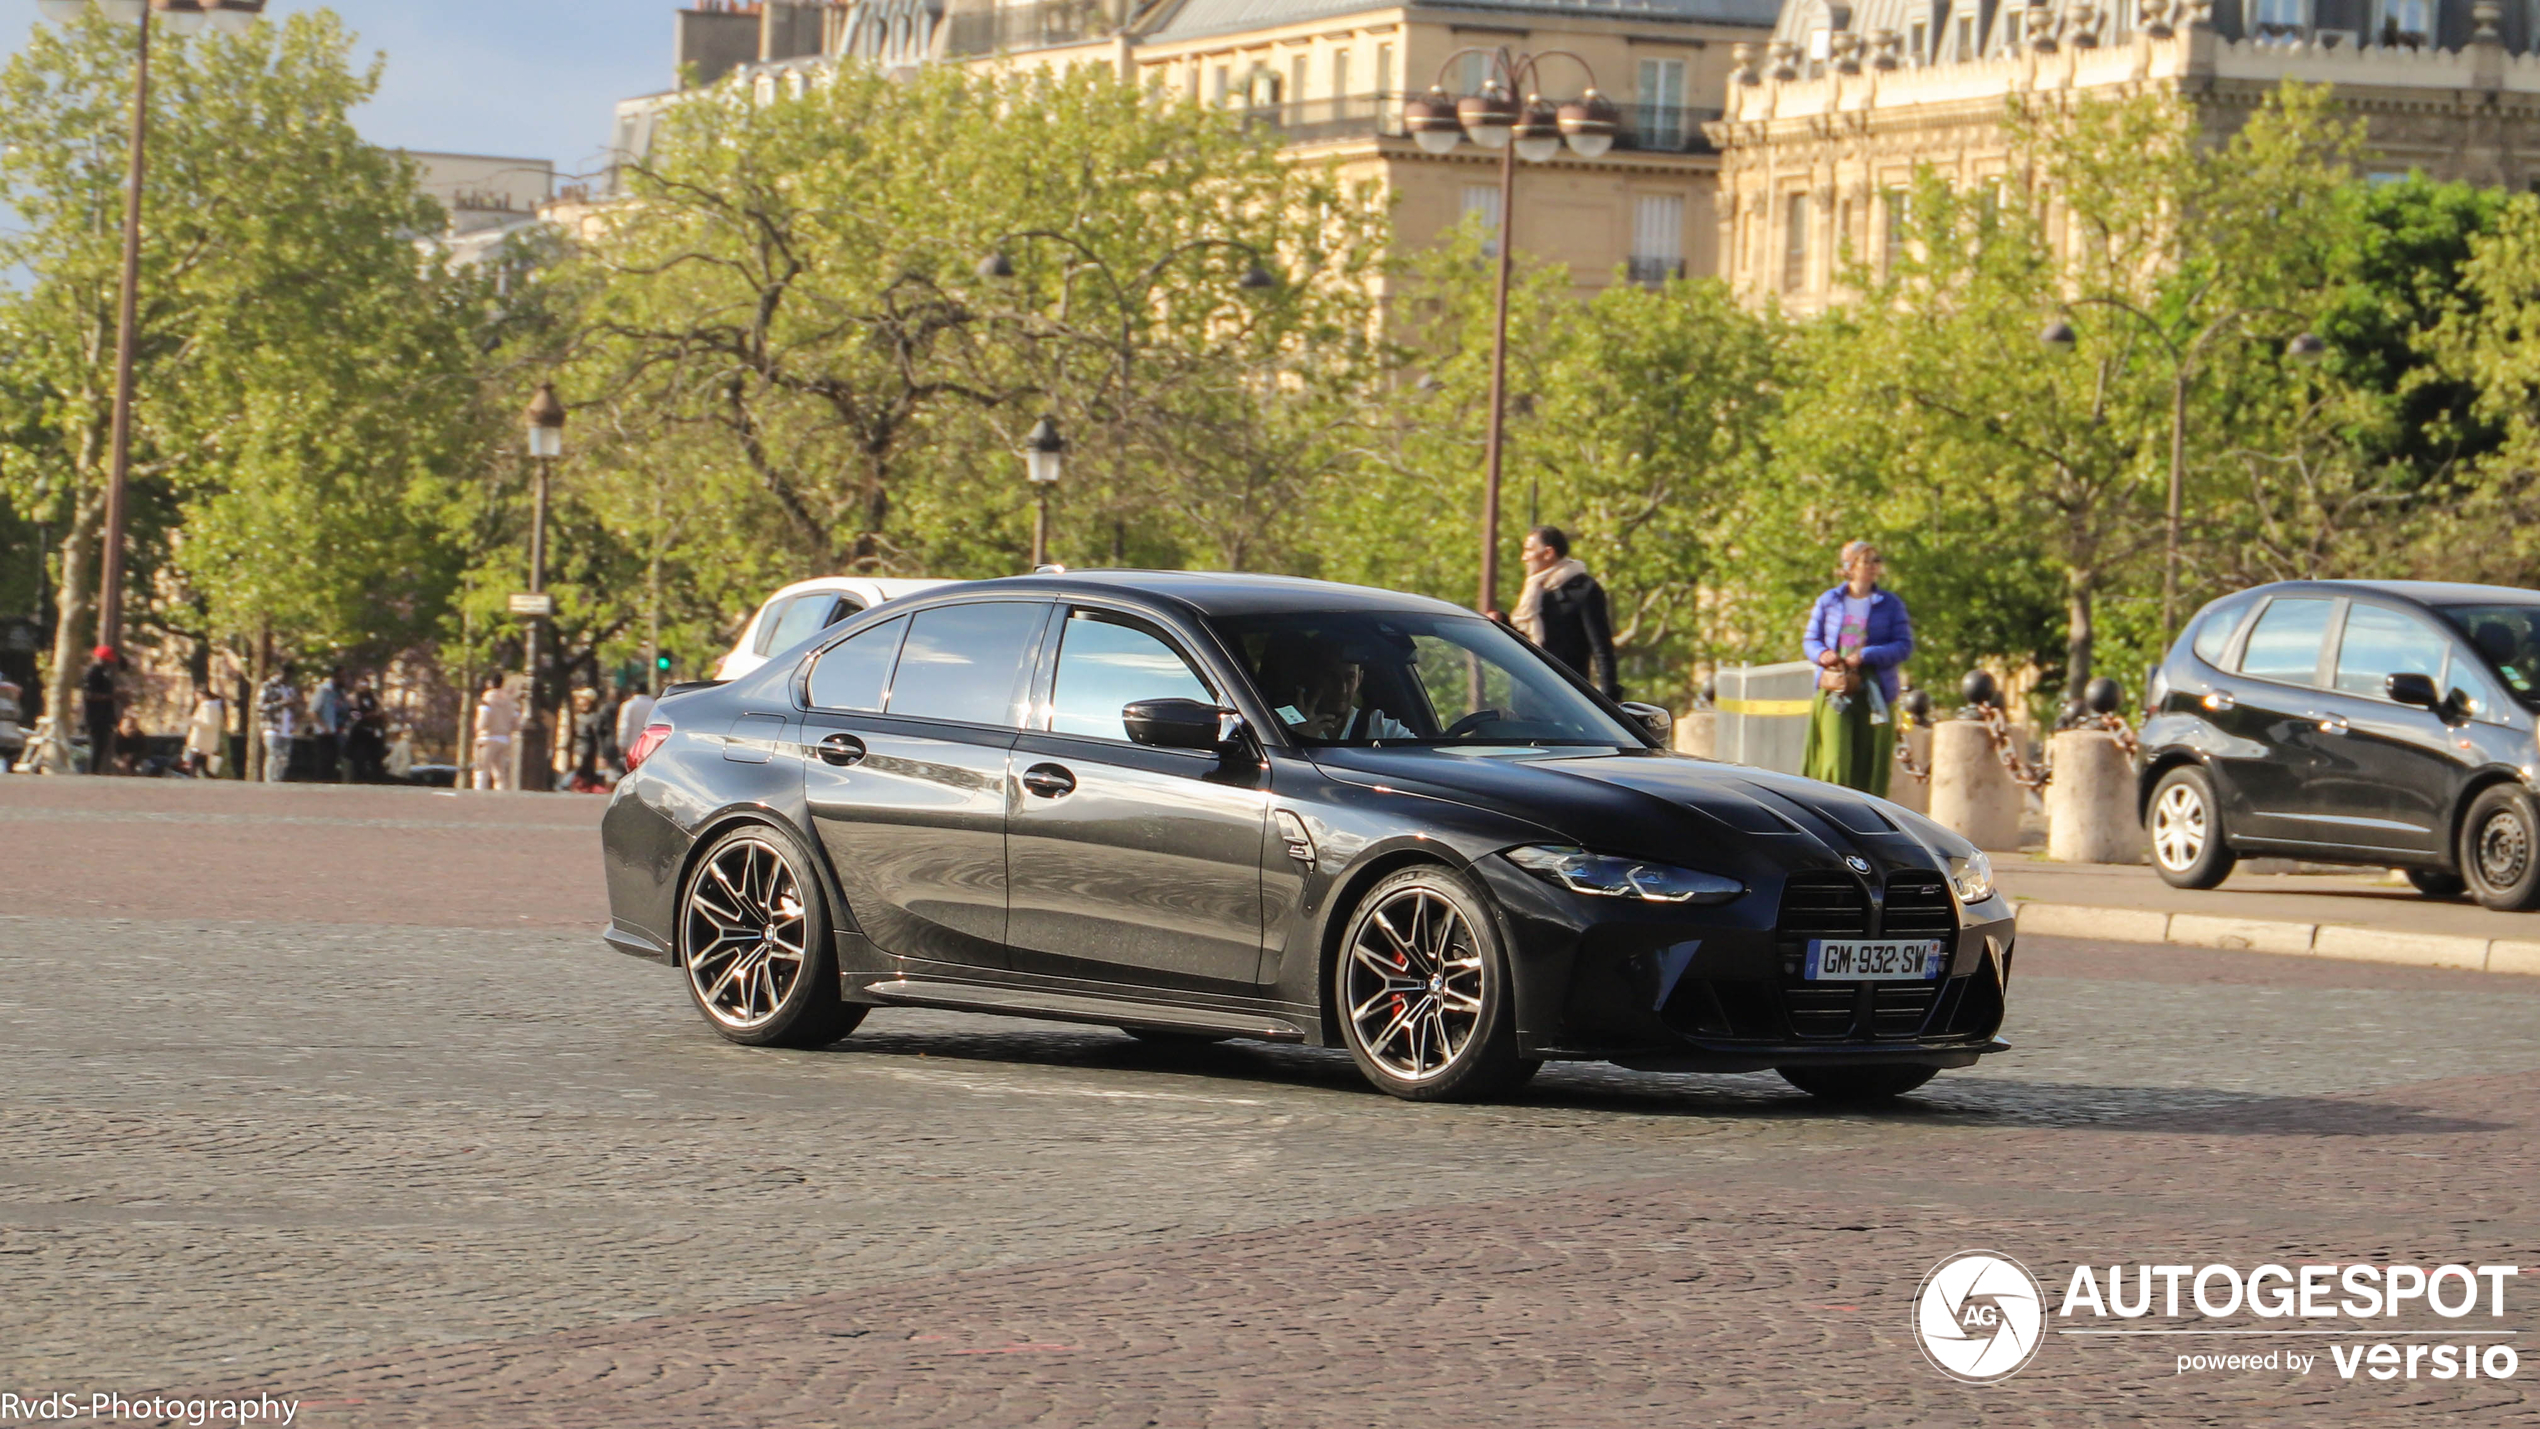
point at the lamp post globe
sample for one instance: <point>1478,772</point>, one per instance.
<point>2306,348</point>
<point>1537,133</point>
<point>546,424</point>
<point>1043,451</point>
<point>1432,122</point>
<point>1590,123</point>
<point>1489,117</point>
<point>2057,336</point>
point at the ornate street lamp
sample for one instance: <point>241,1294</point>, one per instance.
<point>182,17</point>
<point>1534,131</point>
<point>1043,453</point>
<point>545,421</point>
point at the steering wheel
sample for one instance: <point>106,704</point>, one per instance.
<point>1471,723</point>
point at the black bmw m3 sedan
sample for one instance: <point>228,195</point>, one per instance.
<point>1198,807</point>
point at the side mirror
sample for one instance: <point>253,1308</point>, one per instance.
<point>1174,724</point>
<point>1653,718</point>
<point>2410,688</point>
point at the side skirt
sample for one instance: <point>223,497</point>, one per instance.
<point>1076,1007</point>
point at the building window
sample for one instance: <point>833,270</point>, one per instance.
<point>1296,80</point>
<point>1384,69</point>
<point>2279,19</point>
<point>1483,200</point>
<point>1895,211</point>
<point>1472,71</point>
<point>2408,23</point>
<point>1340,73</point>
<point>1966,38</point>
<point>1795,243</point>
<point>1223,88</point>
<point>1658,238</point>
<point>1661,121</point>
<point>1918,44</point>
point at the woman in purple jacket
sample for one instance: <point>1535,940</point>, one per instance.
<point>1857,637</point>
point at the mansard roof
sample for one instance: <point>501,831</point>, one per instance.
<point>2000,25</point>
<point>1192,19</point>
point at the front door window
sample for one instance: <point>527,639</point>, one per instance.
<point>1106,662</point>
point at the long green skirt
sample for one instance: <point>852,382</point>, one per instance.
<point>1845,748</point>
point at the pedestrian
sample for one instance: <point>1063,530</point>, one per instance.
<point>330,719</point>
<point>1562,609</point>
<point>633,713</point>
<point>277,715</point>
<point>366,738</point>
<point>101,707</point>
<point>132,748</point>
<point>400,765</point>
<point>12,731</point>
<point>206,732</point>
<point>497,722</point>
<point>590,727</point>
<point>1858,635</point>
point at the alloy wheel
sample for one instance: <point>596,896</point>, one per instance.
<point>742,934</point>
<point>2179,827</point>
<point>2504,849</point>
<point>1413,984</point>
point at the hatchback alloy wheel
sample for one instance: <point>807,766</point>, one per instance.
<point>2179,827</point>
<point>2185,831</point>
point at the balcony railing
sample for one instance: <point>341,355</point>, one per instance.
<point>1026,27</point>
<point>1659,129</point>
<point>1653,272</point>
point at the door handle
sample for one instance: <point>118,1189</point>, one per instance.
<point>1049,781</point>
<point>2221,700</point>
<point>2333,724</point>
<point>841,750</point>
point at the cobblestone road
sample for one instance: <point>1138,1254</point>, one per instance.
<point>333,1094</point>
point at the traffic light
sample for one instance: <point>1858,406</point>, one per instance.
<point>661,663</point>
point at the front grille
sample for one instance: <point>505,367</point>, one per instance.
<point>1820,1009</point>
<point>1898,1009</point>
<point>1918,906</point>
<point>1822,905</point>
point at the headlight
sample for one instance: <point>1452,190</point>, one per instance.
<point>1606,876</point>
<point>1972,876</point>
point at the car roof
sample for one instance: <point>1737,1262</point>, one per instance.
<point>1218,593</point>
<point>2430,593</point>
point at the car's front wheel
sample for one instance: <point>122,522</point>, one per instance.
<point>2500,849</point>
<point>2185,831</point>
<point>754,936</point>
<point>1857,1084</point>
<point>1425,1005</point>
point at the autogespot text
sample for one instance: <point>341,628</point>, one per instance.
<point>2468,1348</point>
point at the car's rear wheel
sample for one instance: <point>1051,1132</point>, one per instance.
<point>754,936</point>
<point>1425,1006</point>
<point>2185,831</point>
<point>1857,1084</point>
<point>2500,849</point>
<point>2435,883</point>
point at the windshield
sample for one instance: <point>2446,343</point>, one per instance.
<point>2509,636</point>
<point>1411,678</point>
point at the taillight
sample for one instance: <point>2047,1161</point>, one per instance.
<point>646,743</point>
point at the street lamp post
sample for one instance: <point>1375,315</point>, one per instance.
<point>546,444</point>
<point>182,17</point>
<point>2305,347</point>
<point>1534,131</point>
<point>1043,453</point>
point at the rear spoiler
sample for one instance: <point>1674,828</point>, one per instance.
<point>685,686</point>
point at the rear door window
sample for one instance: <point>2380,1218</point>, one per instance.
<point>2379,643</point>
<point>1106,661</point>
<point>855,673</point>
<point>966,662</point>
<point>2285,643</point>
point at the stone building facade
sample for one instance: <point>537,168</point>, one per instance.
<point>1823,127</point>
<point>1331,77</point>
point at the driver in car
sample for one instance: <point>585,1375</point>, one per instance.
<point>1315,686</point>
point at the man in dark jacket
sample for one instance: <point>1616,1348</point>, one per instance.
<point>1563,610</point>
<point>101,704</point>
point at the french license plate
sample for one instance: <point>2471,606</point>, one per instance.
<point>1848,960</point>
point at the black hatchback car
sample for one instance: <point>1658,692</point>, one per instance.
<point>2384,723</point>
<point>1199,807</point>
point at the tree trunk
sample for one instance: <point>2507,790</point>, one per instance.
<point>76,602</point>
<point>260,670</point>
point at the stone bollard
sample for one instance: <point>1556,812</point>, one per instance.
<point>1904,788</point>
<point>1698,732</point>
<point>2090,815</point>
<point>1970,790</point>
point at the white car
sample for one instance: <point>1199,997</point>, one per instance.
<point>803,609</point>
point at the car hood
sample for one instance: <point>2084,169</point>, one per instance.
<point>1649,803</point>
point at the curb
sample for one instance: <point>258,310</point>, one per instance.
<point>2343,941</point>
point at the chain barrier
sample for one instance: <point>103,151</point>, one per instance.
<point>1906,723</point>
<point>1997,728</point>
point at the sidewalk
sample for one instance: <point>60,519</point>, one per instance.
<point>2357,915</point>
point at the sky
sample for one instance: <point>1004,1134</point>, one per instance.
<point>524,79</point>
